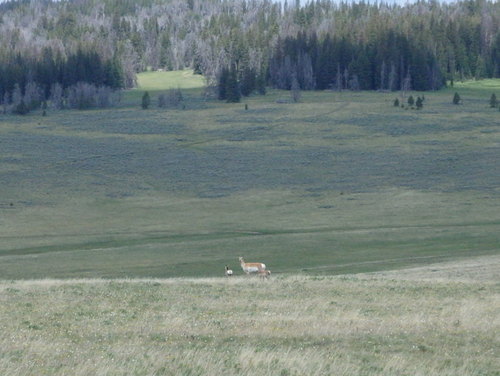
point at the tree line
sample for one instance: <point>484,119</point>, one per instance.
<point>49,68</point>
<point>80,80</point>
<point>385,61</point>
<point>318,45</point>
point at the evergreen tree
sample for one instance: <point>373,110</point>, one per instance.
<point>493,100</point>
<point>396,102</point>
<point>5,103</point>
<point>33,96</point>
<point>222,84</point>
<point>261,84</point>
<point>17,96</point>
<point>162,100</point>
<point>113,74</point>
<point>383,74</point>
<point>247,82</point>
<point>419,103</point>
<point>326,66</point>
<point>233,94</point>
<point>295,90</point>
<point>21,108</point>
<point>146,101</point>
<point>392,81</point>
<point>411,101</point>
<point>406,84</point>
<point>305,72</point>
<point>456,98</point>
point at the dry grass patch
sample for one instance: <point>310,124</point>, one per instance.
<point>371,324</point>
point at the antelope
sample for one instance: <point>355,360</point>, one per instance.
<point>228,272</point>
<point>252,267</point>
<point>264,274</point>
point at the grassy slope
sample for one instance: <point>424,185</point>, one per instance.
<point>160,82</point>
<point>157,81</point>
<point>342,182</point>
<point>440,320</point>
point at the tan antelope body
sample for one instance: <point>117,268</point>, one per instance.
<point>264,274</point>
<point>252,267</point>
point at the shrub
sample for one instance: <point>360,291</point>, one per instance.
<point>295,90</point>
<point>21,108</point>
<point>84,96</point>
<point>33,95</point>
<point>162,100</point>
<point>56,96</point>
<point>81,96</point>
<point>146,100</point>
<point>493,101</point>
<point>419,103</point>
<point>172,98</point>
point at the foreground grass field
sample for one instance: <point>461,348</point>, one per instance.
<point>339,183</point>
<point>438,320</point>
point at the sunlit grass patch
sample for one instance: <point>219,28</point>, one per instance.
<point>154,81</point>
<point>484,85</point>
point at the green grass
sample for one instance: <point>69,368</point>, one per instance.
<point>155,81</point>
<point>487,86</point>
<point>439,320</point>
<point>339,183</point>
<point>161,82</point>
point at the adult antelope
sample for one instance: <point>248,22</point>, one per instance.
<point>252,267</point>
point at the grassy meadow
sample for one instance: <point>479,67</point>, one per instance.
<point>381,226</point>
<point>434,320</point>
<point>338,183</point>
<point>158,80</point>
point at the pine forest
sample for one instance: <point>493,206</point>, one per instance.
<point>55,49</point>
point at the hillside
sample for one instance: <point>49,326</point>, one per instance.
<point>52,47</point>
<point>437,320</point>
<point>337,183</point>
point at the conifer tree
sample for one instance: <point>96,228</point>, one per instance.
<point>247,82</point>
<point>419,103</point>
<point>295,90</point>
<point>17,96</point>
<point>391,85</point>
<point>456,98</point>
<point>261,83</point>
<point>233,94</point>
<point>222,84</point>
<point>146,100</point>
<point>493,100</point>
<point>21,108</point>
